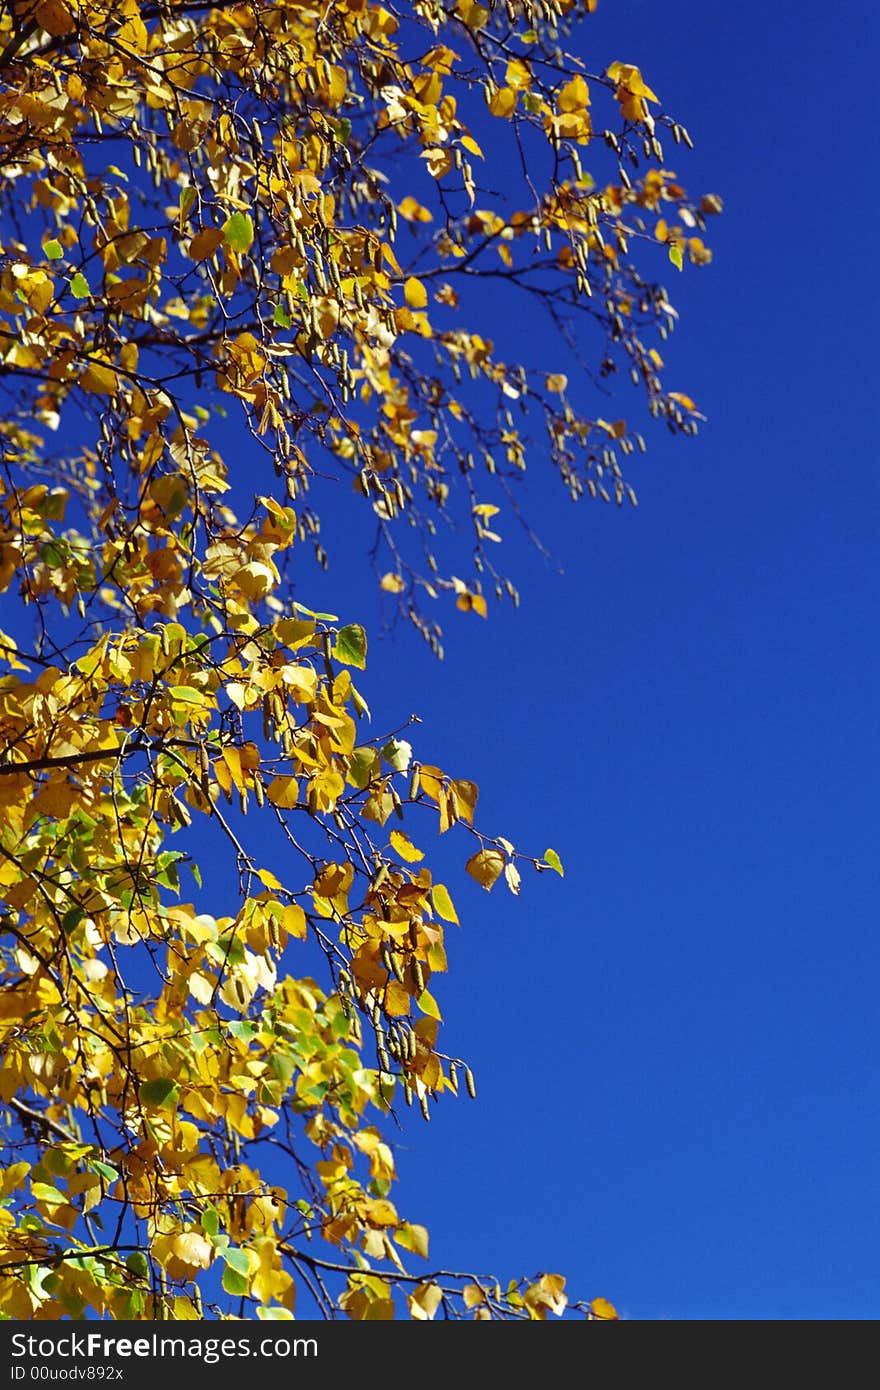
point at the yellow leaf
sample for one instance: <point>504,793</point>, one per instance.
<point>201,988</point>
<point>472,603</point>
<point>574,96</point>
<point>443,903</point>
<point>424,1302</point>
<point>518,74</point>
<point>232,759</point>
<point>192,1251</point>
<point>416,294</point>
<point>556,382</point>
<point>205,243</point>
<point>405,848</point>
<point>471,146</point>
<point>428,1005</point>
<point>413,211</point>
<point>293,921</point>
<point>546,1295</point>
<point>99,380</point>
<point>431,781</point>
<point>55,18</point>
<point>503,102</point>
<point>464,796</point>
<point>392,583</point>
<point>268,879</point>
<point>283,792</point>
<point>414,1238</point>
<point>397,1000</point>
<point>486,867</point>
<point>627,75</point>
<point>601,1308</point>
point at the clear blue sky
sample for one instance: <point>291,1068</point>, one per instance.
<point>676,1047</point>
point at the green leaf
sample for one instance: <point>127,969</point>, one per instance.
<point>187,198</point>
<point>363,766</point>
<point>238,232</point>
<point>351,646</point>
<point>210,1222</point>
<point>236,1259</point>
<point>398,753</point>
<point>322,617</point>
<point>162,1093</point>
<point>552,860</point>
<point>414,1238</point>
<point>274,1314</point>
<point>79,286</point>
<point>137,1263</point>
<point>281,1067</point>
<point>281,316</point>
<point>675,255</point>
<point>234,1283</point>
<point>187,694</point>
<point>241,1029</point>
<point>53,249</point>
<point>71,919</point>
<point>360,705</point>
<point>104,1169</point>
<point>55,553</point>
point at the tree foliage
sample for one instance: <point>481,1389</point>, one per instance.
<point>239,246</point>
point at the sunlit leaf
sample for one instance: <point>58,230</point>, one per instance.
<point>486,867</point>
<point>416,294</point>
<point>238,232</point>
<point>351,646</point>
<point>405,848</point>
<point>161,1093</point>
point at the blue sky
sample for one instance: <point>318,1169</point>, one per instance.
<point>676,1046</point>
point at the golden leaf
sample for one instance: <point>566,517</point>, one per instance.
<point>405,848</point>
<point>574,96</point>
<point>443,903</point>
<point>416,294</point>
<point>283,792</point>
<point>601,1308</point>
<point>413,211</point>
<point>486,867</point>
<point>99,379</point>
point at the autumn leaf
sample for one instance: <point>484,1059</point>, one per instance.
<point>602,1309</point>
<point>405,848</point>
<point>486,867</point>
<point>416,294</point>
<point>443,903</point>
